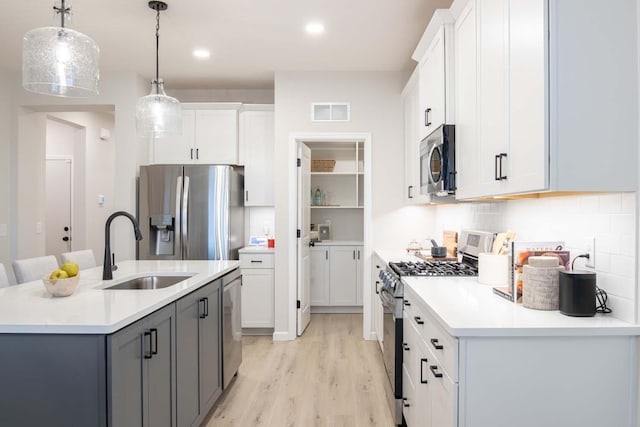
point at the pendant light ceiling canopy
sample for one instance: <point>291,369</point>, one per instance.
<point>60,61</point>
<point>157,114</point>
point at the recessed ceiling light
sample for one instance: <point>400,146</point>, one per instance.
<point>201,54</point>
<point>315,28</point>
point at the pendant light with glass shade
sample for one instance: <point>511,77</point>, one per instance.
<point>60,61</point>
<point>158,115</point>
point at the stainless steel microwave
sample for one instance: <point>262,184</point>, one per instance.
<point>438,162</point>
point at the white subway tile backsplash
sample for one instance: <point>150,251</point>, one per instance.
<point>622,265</point>
<point>615,285</point>
<point>608,243</point>
<point>610,218</point>
<point>622,308</point>
<point>628,203</point>
<point>610,203</point>
<point>622,224</point>
<point>627,244</point>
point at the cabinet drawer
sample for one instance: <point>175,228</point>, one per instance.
<point>256,260</point>
<point>443,346</point>
<point>410,352</point>
<point>408,398</point>
<point>444,395</point>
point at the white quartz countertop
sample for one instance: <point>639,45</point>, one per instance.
<point>28,308</point>
<point>257,250</point>
<point>339,243</point>
<point>466,308</point>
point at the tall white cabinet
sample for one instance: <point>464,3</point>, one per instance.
<point>535,106</point>
<point>256,149</point>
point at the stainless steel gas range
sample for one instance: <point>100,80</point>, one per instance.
<point>470,244</point>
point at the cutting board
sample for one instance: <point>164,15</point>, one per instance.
<point>450,240</point>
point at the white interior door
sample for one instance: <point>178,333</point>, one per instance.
<point>304,225</point>
<point>58,206</point>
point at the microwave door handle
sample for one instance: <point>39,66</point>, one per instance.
<point>185,220</point>
<point>433,148</point>
<point>177,232</point>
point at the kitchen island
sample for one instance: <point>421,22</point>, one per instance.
<point>106,357</point>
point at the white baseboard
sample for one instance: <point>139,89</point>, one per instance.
<point>336,309</point>
<point>282,336</point>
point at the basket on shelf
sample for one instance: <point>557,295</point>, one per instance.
<point>322,165</point>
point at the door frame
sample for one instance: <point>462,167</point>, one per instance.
<point>368,330</point>
<point>68,157</point>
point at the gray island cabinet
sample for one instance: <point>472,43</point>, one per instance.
<point>161,370</point>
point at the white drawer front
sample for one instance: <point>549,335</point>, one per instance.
<point>443,346</point>
<point>256,260</point>
<point>444,397</point>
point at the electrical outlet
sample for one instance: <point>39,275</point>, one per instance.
<point>591,250</point>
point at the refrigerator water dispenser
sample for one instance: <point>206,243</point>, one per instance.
<point>161,234</point>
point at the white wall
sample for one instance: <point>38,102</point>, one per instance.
<point>246,96</point>
<point>25,183</point>
<point>98,176</point>
<point>377,108</point>
<point>610,218</point>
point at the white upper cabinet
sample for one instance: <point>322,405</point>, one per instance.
<point>217,136</point>
<point>551,90</point>
<point>412,142</point>
<point>209,136</point>
<point>256,149</point>
<point>177,149</point>
<point>434,54</point>
<point>466,104</point>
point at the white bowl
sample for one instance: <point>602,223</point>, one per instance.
<point>61,287</point>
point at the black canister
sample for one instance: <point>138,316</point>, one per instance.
<point>578,293</point>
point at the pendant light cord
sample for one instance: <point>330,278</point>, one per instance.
<point>63,11</point>
<point>157,45</point>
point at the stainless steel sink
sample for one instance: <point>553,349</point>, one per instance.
<point>150,282</point>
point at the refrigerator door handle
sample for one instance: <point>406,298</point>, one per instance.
<point>183,214</point>
<point>177,233</point>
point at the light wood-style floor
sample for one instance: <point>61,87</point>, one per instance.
<point>328,377</point>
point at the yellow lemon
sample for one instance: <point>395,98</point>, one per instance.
<point>58,274</point>
<point>71,268</point>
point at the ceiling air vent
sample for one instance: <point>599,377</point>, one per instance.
<point>330,111</point>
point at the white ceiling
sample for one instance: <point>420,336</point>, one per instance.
<point>248,39</point>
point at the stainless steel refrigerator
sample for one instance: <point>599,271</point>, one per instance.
<point>190,212</point>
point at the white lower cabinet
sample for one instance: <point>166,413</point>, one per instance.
<point>489,378</point>
<point>336,276</point>
<point>257,290</point>
<point>429,395</point>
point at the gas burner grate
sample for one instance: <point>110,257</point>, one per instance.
<point>433,269</point>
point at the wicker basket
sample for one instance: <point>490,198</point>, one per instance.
<point>322,165</point>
